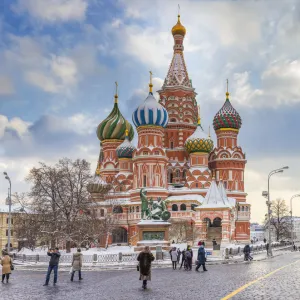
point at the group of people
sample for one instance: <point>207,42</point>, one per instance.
<point>145,258</point>
<point>186,256</point>
<point>54,261</point>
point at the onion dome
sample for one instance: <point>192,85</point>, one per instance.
<point>227,117</point>
<point>126,149</point>
<point>150,112</point>
<point>98,185</point>
<point>114,126</point>
<point>178,28</point>
<point>199,141</point>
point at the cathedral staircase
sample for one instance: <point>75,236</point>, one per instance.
<point>213,233</point>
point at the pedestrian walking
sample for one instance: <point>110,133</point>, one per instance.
<point>178,255</point>
<point>201,259</point>
<point>247,251</point>
<point>189,258</point>
<point>6,262</point>
<point>183,258</point>
<point>77,264</point>
<point>145,259</point>
<point>53,265</point>
<point>174,257</point>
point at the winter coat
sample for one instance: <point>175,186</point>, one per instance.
<point>6,262</point>
<point>247,249</point>
<point>187,255</point>
<point>77,261</point>
<point>174,255</point>
<point>145,259</point>
<point>201,256</point>
<point>54,260</point>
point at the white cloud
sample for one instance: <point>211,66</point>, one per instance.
<point>6,86</point>
<point>53,11</point>
<point>17,124</point>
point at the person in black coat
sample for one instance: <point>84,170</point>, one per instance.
<point>53,265</point>
<point>183,258</point>
<point>145,259</point>
<point>201,259</point>
<point>247,251</point>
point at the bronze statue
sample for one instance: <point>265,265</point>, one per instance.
<point>153,210</point>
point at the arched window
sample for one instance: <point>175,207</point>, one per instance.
<point>173,120</point>
<point>243,208</point>
<point>144,181</point>
<point>246,208</point>
<point>184,174</point>
<point>174,207</point>
<point>177,173</point>
<point>118,210</point>
<point>172,145</point>
<point>137,209</point>
<point>132,208</point>
<point>182,207</point>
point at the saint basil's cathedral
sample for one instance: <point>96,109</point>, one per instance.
<point>174,159</point>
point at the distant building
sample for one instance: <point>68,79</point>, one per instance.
<point>257,232</point>
<point>15,210</point>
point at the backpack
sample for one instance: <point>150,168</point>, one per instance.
<point>188,254</point>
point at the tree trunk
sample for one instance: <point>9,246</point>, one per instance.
<point>68,246</point>
<point>52,243</point>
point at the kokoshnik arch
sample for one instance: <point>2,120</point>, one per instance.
<point>174,159</point>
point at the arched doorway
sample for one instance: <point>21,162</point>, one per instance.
<point>207,221</point>
<point>119,235</point>
<point>217,222</point>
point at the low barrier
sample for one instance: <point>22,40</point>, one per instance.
<point>93,258</point>
<point>254,249</point>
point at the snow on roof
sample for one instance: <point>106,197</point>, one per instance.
<point>14,208</point>
<point>213,197</point>
<point>193,197</point>
<point>153,222</point>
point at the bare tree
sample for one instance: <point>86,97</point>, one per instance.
<point>280,219</point>
<point>59,194</point>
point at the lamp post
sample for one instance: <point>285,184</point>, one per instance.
<point>292,221</point>
<point>269,204</point>
<point>9,212</point>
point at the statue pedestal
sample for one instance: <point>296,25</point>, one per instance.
<point>153,233</point>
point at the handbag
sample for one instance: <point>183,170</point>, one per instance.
<point>12,267</point>
<point>138,268</point>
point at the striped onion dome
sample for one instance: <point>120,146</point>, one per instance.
<point>227,117</point>
<point>114,126</point>
<point>150,113</point>
<point>126,149</point>
<point>98,185</point>
<point>199,141</point>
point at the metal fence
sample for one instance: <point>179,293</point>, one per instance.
<point>254,249</point>
<point>93,258</point>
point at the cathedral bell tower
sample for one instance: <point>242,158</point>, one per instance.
<point>177,95</point>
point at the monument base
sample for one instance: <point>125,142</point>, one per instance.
<point>154,234</point>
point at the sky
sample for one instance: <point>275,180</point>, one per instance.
<point>60,59</point>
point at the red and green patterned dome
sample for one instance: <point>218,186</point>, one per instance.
<point>227,117</point>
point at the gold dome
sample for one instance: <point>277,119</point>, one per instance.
<point>179,28</point>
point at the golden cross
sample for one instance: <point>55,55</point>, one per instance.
<point>227,85</point>
<point>178,10</point>
<point>150,77</point>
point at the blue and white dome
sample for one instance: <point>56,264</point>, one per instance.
<point>150,113</point>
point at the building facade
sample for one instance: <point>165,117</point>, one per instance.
<point>4,213</point>
<point>174,159</point>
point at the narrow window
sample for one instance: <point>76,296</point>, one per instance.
<point>144,181</point>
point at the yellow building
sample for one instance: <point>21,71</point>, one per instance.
<point>15,210</point>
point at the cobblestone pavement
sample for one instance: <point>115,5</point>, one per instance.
<point>219,281</point>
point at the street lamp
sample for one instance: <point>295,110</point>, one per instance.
<point>269,204</point>
<point>9,212</point>
<point>292,221</point>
